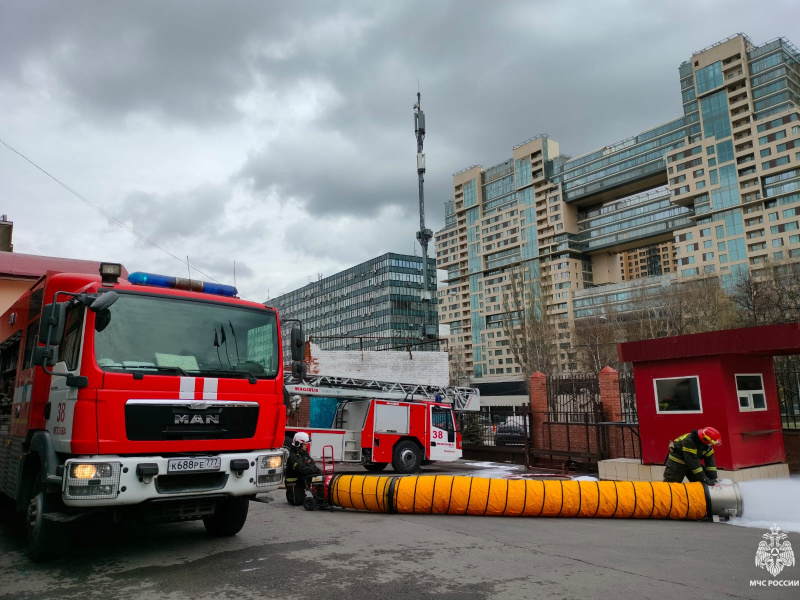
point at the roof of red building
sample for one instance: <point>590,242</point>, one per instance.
<point>31,266</point>
<point>767,340</point>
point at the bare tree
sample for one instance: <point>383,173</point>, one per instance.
<point>757,298</point>
<point>530,330</point>
<point>697,306</point>
<point>459,374</point>
<point>643,318</point>
<point>678,308</point>
<point>595,339</point>
<point>779,281</point>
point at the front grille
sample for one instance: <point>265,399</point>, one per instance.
<point>166,421</point>
<point>190,482</point>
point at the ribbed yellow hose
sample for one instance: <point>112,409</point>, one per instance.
<point>444,494</point>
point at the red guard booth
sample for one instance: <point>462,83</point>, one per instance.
<point>723,379</point>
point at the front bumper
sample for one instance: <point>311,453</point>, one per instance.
<point>125,480</point>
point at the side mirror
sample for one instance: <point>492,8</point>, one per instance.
<point>51,325</point>
<point>45,356</point>
<point>297,344</point>
<point>104,301</point>
<point>298,370</point>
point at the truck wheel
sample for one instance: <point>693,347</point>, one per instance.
<point>375,467</point>
<point>406,457</point>
<point>46,539</point>
<point>228,518</point>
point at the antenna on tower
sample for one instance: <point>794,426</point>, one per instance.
<point>424,235</point>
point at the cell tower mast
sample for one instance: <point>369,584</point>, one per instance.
<point>424,235</point>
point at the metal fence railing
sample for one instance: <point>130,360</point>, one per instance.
<point>572,392</point>
<point>627,395</point>
<point>498,426</point>
<point>788,384</point>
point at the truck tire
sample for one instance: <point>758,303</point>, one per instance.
<point>46,539</point>
<point>406,457</point>
<point>375,467</point>
<point>228,518</point>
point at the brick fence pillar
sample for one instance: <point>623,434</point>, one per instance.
<point>612,406</point>
<point>538,399</point>
<point>609,394</point>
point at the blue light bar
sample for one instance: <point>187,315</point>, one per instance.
<point>179,283</point>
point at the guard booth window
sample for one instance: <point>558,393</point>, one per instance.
<point>678,394</point>
<point>750,391</point>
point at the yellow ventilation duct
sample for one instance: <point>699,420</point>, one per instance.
<point>444,494</point>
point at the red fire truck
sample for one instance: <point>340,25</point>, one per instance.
<point>154,398</point>
<point>375,423</point>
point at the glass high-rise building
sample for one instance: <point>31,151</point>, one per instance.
<point>713,192</point>
<point>374,305</point>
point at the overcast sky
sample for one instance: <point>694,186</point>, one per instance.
<point>280,135</point>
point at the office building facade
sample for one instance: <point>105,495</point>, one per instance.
<point>375,305</point>
<point>714,192</point>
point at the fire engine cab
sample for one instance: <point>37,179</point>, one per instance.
<point>153,398</point>
<point>375,423</point>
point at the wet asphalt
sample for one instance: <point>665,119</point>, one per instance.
<point>288,552</point>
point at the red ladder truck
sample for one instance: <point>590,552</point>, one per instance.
<point>380,422</point>
<point>153,398</point>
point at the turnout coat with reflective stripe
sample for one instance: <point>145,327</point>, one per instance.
<point>689,450</point>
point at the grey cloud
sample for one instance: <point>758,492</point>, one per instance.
<point>348,241</point>
<point>175,215</point>
<point>488,82</point>
<point>183,61</point>
<point>223,268</point>
<point>492,74</point>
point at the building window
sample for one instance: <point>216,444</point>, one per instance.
<point>750,390</point>
<point>678,395</point>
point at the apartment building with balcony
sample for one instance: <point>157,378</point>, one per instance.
<point>713,192</point>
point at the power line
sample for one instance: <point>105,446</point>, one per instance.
<point>107,215</point>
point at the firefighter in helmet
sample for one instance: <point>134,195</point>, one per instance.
<point>299,465</point>
<point>686,453</point>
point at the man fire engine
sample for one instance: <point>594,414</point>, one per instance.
<point>375,423</point>
<point>154,398</point>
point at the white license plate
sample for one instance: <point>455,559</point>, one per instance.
<point>186,465</point>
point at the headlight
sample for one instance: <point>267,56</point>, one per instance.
<point>92,480</point>
<point>269,469</point>
<point>270,461</point>
<point>90,470</point>
<point>83,471</point>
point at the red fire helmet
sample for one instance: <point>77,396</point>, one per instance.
<point>710,436</point>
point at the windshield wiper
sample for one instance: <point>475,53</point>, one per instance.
<point>158,368</point>
<point>223,373</point>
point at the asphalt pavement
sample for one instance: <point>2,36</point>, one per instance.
<point>288,552</point>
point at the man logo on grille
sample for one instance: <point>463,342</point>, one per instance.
<point>774,552</point>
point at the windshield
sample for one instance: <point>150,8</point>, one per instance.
<point>184,337</point>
